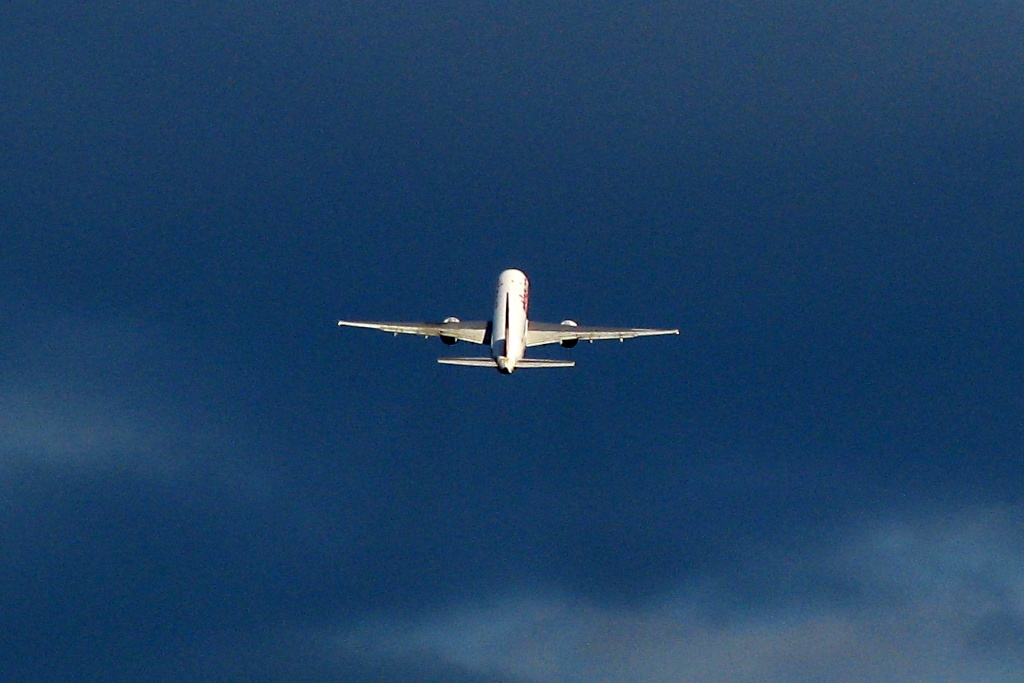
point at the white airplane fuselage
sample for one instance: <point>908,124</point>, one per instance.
<point>508,323</point>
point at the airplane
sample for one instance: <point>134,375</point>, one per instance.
<point>509,332</point>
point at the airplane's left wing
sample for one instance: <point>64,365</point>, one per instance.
<point>538,334</point>
<point>474,332</point>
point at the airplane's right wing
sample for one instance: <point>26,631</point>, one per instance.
<point>474,332</point>
<point>538,334</point>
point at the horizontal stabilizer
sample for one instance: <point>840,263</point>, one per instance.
<point>544,363</point>
<point>476,362</point>
<point>485,362</point>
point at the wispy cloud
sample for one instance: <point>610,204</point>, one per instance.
<point>927,599</point>
<point>110,395</point>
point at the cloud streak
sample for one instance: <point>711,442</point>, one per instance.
<point>108,395</point>
<point>928,599</point>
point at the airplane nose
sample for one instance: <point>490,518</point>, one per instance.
<point>506,365</point>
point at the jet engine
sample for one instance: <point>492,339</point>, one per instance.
<point>569,343</point>
<point>450,340</point>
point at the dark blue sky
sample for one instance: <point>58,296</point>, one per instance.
<point>202,478</point>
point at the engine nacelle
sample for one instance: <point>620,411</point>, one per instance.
<point>569,343</point>
<point>450,340</point>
